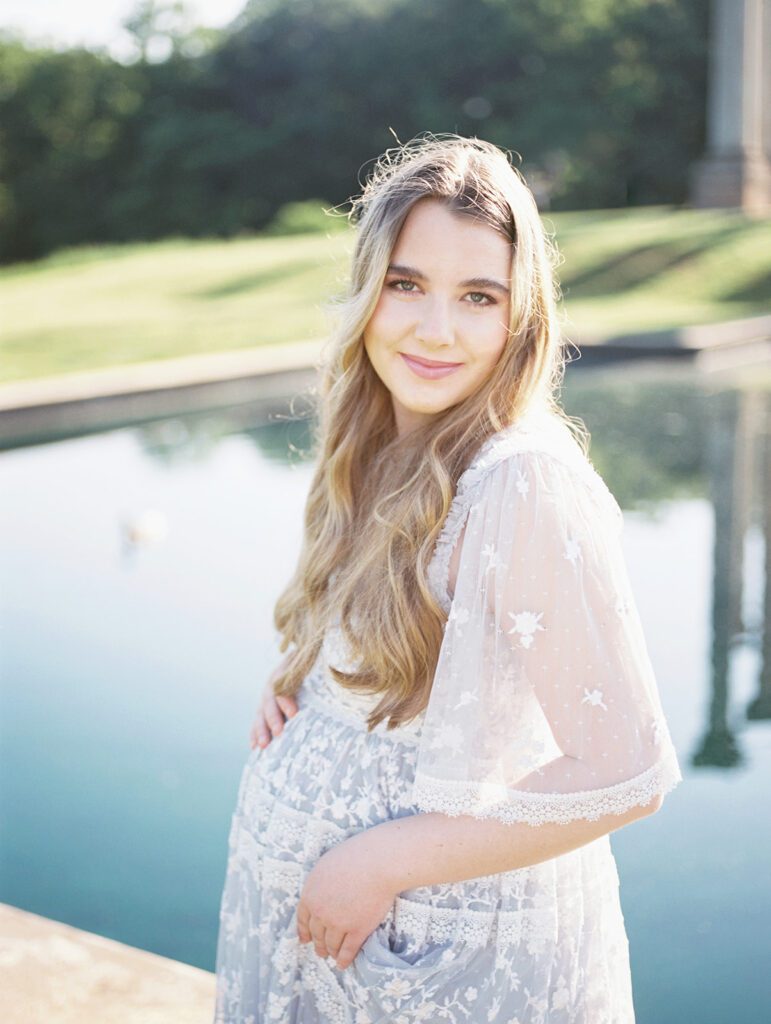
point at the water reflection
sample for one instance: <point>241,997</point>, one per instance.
<point>738,460</point>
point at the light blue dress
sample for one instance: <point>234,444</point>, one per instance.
<point>545,944</point>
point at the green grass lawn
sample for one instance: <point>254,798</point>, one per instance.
<point>91,307</point>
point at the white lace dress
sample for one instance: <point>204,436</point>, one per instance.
<point>539,945</point>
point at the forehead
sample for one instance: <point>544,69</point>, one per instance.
<point>435,235</point>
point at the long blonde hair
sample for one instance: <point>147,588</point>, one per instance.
<point>377,501</point>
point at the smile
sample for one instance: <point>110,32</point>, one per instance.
<point>429,370</point>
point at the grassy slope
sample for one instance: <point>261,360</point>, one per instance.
<point>91,307</point>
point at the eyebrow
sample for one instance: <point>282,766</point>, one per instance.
<point>473,282</point>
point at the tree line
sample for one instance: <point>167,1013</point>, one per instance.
<point>604,100</point>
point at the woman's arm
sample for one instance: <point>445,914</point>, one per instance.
<point>352,886</point>
<point>427,849</point>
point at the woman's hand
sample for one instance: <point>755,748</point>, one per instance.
<point>272,713</point>
<point>341,903</point>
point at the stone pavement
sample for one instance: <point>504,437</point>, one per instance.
<point>51,973</point>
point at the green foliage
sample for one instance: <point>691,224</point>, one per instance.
<point>307,216</point>
<point>603,99</point>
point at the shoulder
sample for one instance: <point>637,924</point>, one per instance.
<point>537,455</point>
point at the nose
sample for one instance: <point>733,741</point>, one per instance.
<point>434,326</point>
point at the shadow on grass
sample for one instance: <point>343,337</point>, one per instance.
<point>756,289</point>
<point>642,264</point>
<point>249,282</point>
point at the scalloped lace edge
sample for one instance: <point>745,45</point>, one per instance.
<point>454,798</point>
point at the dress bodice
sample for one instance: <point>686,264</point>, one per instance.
<point>321,688</point>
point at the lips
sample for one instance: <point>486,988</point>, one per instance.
<point>427,369</point>
<point>427,362</point>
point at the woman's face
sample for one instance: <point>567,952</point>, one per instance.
<point>445,300</point>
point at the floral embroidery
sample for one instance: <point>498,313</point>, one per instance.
<point>572,550</point>
<point>397,988</point>
<point>494,560</point>
<point>526,624</point>
<point>467,697</point>
<point>447,736</point>
<point>594,698</point>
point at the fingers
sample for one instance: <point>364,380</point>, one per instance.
<point>343,946</point>
<point>350,946</point>
<point>260,734</point>
<point>303,920</point>
<point>333,940</point>
<point>318,931</point>
<point>269,721</point>
<point>288,705</point>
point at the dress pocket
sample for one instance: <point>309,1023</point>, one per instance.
<point>383,956</point>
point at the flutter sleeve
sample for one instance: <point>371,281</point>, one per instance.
<point>544,705</point>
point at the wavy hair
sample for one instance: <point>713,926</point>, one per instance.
<point>377,502</point>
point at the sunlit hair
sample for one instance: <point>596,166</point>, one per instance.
<point>377,502</point>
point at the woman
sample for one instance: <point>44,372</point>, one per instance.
<point>470,707</point>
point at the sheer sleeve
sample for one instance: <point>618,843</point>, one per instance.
<point>544,706</point>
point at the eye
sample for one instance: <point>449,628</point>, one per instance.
<point>411,285</point>
<point>486,300</point>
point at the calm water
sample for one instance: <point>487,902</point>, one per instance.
<point>131,672</point>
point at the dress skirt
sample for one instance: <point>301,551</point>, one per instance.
<point>539,945</point>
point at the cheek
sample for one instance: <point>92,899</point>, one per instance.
<point>491,342</point>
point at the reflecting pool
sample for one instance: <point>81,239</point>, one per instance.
<point>139,568</point>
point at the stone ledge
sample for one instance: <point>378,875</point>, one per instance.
<point>690,340</point>
<point>161,375</point>
<point>51,973</point>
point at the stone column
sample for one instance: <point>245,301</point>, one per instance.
<point>736,170</point>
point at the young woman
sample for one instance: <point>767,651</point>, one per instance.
<point>466,708</point>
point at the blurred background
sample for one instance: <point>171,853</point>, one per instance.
<point>166,259</point>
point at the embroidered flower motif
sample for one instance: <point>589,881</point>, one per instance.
<point>572,550</point>
<point>470,993</point>
<point>522,484</point>
<point>561,994</point>
<point>276,1006</point>
<point>495,1006</point>
<point>424,1012</point>
<point>494,560</point>
<point>338,808</point>
<point>397,988</point>
<point>594,698</point>
<point>467,697</point>
<point>448,736</point>
<point>526,624</point>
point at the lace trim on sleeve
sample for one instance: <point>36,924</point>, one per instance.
<point>492,800</point>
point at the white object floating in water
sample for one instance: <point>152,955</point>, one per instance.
<point>148,527</point>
